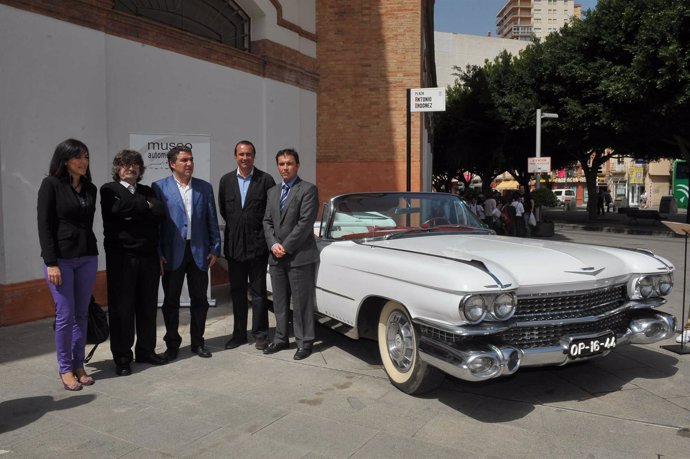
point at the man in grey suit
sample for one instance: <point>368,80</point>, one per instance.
<point>291,209</point>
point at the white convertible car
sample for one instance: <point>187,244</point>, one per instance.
<point>441,293</point>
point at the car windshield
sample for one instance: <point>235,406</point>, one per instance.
<point>367,215</point>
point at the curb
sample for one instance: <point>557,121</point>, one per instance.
<point>616,229</point>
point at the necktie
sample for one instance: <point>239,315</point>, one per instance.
<point>131,189</point>
<point>284,195</point>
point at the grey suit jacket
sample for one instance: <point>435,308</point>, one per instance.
<point>293,227</point>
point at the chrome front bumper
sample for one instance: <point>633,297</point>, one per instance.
<point>486,361</point>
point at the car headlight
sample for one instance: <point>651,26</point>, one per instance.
<point>652,285</point>
<point>645,285</point>
<point>665,284</point>
<point>474,308</point>
<point>503,306</point>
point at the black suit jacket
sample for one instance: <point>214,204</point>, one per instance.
<point>65,228</point>
<point>129,223</point>
<point>244,232</point>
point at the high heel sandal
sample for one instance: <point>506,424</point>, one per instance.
<point>71,387</point>
<point>84,379</point>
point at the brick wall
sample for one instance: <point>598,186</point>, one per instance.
<point>369,52</point>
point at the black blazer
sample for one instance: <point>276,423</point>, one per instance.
<point>129,223</point>
<point>244,232</point>
<point>65,228</point>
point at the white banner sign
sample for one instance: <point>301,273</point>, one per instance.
<point>539,165</point>
<point>154,149</point>
<point>428,100</point>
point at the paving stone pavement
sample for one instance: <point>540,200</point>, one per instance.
<point>634,403</point>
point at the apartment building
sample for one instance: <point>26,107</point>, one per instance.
<point>524,19</point>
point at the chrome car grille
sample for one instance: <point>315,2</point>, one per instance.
<point>550,335</point>
<point>552,308</point>
<point>569,305</point>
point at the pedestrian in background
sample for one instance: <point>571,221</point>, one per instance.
<point>600,202</point>
<point>189,246</point>
<point>131,215</point>
<point>66,207</point>
<point>608,200</point>
<point>291,209</point>
<point>490,211</point>
<point>518,216</point>
<point>528,205</point>
<point>242,204</point>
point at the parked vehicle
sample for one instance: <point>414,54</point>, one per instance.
<point>442,294</point>
<point>564,196</point>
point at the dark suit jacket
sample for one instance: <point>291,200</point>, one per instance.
<point>129,223</point>
<point>244,231</point>
<point>293,227</point>
<point>65,228</point>
<point>205,232</point>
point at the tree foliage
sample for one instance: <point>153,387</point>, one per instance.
<point>469,134</point>
<point>619,80</point>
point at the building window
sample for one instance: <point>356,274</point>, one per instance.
<point>218,20</point>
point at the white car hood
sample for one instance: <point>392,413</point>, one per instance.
<point>532,261</point>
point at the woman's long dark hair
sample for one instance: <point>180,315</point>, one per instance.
<point>66,150</point>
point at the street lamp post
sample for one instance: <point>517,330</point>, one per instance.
<point>537,176</point>
<point>541,115</point>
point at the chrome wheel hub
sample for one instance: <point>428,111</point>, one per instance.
<point>400,341</point>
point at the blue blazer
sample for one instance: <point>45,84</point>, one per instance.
<point>205,232</point>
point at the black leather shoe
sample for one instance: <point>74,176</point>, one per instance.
<point>202,351</point>
<point>170,354</point>
<point>234,342</point>
<point>275,347</point>
<point>153,359</point>
<point>261,343</point>
<point>302,353</point>
<point>123,369</point>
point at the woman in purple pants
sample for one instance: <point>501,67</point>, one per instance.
<point>66,206</point>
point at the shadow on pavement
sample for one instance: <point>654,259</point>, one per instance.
<point>363,349</point>
<point>513,397</point>
<point>15,414</point>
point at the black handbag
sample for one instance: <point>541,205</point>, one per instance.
<point>98,330</point>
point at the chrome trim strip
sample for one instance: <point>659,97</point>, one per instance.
<point>334,293</point>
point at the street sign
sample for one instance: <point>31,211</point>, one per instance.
<point>428,100</point>
<point>538,165</point>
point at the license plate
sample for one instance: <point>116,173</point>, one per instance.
<point>591,345</point>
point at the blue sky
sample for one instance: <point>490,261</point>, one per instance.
<point>475,17</point>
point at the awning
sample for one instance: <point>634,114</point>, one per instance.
<point>508,185</point>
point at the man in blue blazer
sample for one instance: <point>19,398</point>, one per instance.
<point>189,246</point>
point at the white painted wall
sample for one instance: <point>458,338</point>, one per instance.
<point>58,80</point>
<point>456,49</point>
<point>264,19</point>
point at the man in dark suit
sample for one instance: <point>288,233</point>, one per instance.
<point>291,209</point>
<point>189,246</point>
<point>131,215</point>
<point>242,204</point>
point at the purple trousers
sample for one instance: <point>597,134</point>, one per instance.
<point>72,300</point>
